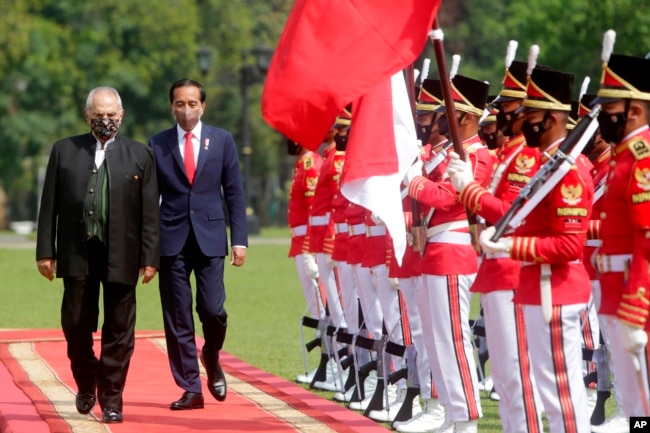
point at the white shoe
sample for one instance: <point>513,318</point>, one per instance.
<point>447,426</point>
<point>360,405</point>
<point>466,426</point>
<point>431,418</point>
<point>344,397</point>
<point>486,384</point>
<point>306,378</point>
<point>416,411</point>
<point>617,423</point>
<point>494,396</point>
<point>332,382</point>
<point>394,406</point>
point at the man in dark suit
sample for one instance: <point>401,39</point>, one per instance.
<point>99,223</point>
<point>195,163</point>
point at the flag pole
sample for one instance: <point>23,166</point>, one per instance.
<point>445,84</point>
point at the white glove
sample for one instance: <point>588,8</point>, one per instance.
<point>503,245</point>
<point>394,283</point>
<point>311,268</point>
<point>633,339</point>
<point>330,262</point>
<point>460,172</point>
<point>375,219</point>
<point>414,171</point>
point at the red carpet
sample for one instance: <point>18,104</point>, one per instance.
<point>37,395</point>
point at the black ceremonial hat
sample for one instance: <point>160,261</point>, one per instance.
<point>625,77</point>
<point>549,90</point>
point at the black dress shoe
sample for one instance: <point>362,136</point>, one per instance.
<point>189,400</point>
<point>111,415</point>
<point>85,402</point>
<point>216,378</point>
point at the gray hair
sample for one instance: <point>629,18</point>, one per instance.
<point>91,94</point>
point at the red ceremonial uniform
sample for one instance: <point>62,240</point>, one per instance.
<point>625,232</point>
<point>454,258</point>
<point>355,216</point>
<point>301,195</point>
<point>320,232</point>
<point>517,165</point>
<point>554,233</point>
<point>339,207</point>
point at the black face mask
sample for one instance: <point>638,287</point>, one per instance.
<point>341,141</point>
<point>533,132</point>
<point>612,126</point>
<point>490,140</point>
<point>293,148</point>
<point>423,132</point>
<point>443,125</point>
<point>506,120</point>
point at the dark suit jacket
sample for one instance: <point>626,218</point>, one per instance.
<point>132,217</point>
<point>199,206</point>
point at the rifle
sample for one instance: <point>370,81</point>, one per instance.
<point>549,174</point>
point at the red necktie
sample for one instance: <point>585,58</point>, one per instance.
<point>189,157</point>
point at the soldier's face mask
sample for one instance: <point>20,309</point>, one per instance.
<point>443,125</point>
<point>506,120</point>
<point>534,131</point>
<point>612,125</point>
<point>293,148</point>
<point>490,139</point>
<point>423,132</point>
<point>341,140</point>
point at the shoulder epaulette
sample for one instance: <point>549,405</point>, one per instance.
<point>640,148</point>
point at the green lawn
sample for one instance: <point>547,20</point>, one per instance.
<point>264,306</point>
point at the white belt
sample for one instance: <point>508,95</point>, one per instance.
<point>357,229</point>
<point>574,262</point>
<point>451,238</point>
<point>613,263</point>
<point>451,225</point>
<point>594,243</point>
<point>320,220</point>
<point>299,230</point>
<point>490,255</point>
<point>375,231</point>
<point>341,228</point>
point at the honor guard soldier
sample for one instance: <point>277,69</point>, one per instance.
<point>553,284</point>
<point>498,274</point>
<point>622,260</point>
<point>449,264</point>
<point>301,195</point>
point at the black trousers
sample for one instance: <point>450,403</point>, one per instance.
<point>176,299</point>
<point>79,320</point>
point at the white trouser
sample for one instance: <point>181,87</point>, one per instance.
<point>310,289</point>
<point>327,277</point>
<point>625,376</point>
<point>407,287</point>
<point>556,357</point>
<point>369,301</point>
<point>519,405</point>
<point>349,295</point>
<point>389,300</point>
<point>445,302</point>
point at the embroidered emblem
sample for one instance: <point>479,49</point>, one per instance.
<point>571,194</point>
<point>640,149</point>
<point>642,177</point>
<point>524,163</point>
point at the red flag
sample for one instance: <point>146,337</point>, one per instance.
<point>382,146</point>
<point>333,51</point>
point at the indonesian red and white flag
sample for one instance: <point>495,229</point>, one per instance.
<point>331,52</point>
<point>382,146</point>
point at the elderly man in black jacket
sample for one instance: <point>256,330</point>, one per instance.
<point>99,223</point>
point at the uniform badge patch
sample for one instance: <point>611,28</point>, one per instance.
<point>571,194</point>
<point>640,148</point>
<point>524,163</point>
<point>642,177</point>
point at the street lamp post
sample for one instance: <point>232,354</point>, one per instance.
<point>204,57</point>
<point>250,74</point>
